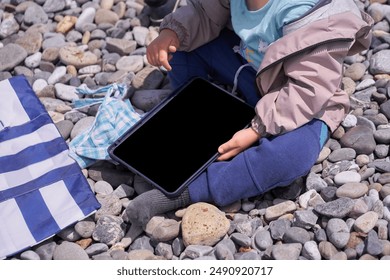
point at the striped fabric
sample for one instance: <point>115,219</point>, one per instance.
<point>42,189</point>
<point>116,115</point>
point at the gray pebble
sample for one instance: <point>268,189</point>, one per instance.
<point>69,234</point>
<point>338,208</point>
<point>241,239</point>
<point>296,235</point>
<point>373,245</point>
<point>381,151</point>
<point>103,187</point>
<point>305,219</point>
<point>310,251</point>
<point>278,228</point>
<point>342,154</point>
<point>109,230</point>
<point>177,246</point>
<point>65,127</point>
<point>347,177</point>
<point>76,116</point>
<point>360,138</point>
<point>46,250</point>
<point>320,235</point>
<point>162,230</point>
<point>251,255</point>
<point>165,250</point>
<point>11,55</point>
<point>286,251</point>
<point>223,252</point>
<point>103,256</point>
<point>69,251</point>
<point>329,193</point>
<point>119,255</point>
<point>263,239</point>
<point>82,125</point>
<point>124,190</point>
<point>142,243</point>
<point>315,182</point>
<point>110,205</point>
<point>337,232</point>
<point>96,249</point>
<point>85,228</point>
<point>247,226</point>
<point>29,255</point>
<point>196,251</point>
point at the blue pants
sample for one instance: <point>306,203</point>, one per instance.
<point>218,61</point>
<point>275,161</point>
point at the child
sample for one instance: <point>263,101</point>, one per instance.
<point>286,58</point>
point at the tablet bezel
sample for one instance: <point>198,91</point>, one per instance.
<point>154,113</point>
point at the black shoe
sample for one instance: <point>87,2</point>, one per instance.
<point>157,13</point>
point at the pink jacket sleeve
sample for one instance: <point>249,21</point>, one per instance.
<point>198,22</point>
<point>311,90</point>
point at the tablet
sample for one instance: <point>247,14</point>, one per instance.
<point>176,141</point>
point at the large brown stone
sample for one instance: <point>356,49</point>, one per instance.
<point>204,224</point>
<point>74,56</point>
<point>360,138</point>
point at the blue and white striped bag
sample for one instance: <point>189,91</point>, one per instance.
<point>42,189</point>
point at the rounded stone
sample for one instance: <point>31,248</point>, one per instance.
<point>81,126</point>
<point>203,224</point>
<point>310,251</point>
<point>74,56</point>
<point>85,228</point>
<point>275,211</point>
<point>11,55</point>
<point>69,251</point>
<point>296,235</point>
<point>360,138</point>
<point>263,239</point>
<point>66,24</point>
<point>355,71</point>
<point>352,190</point>
<point>162,230</point>
<point>337,232</point>
<point>362,160</point>
<point>286,251</point>
<point>325,152</point>
<point>347,177</point>
<point>342,154</point>
<point>327,250</point>
<point>366,222</point>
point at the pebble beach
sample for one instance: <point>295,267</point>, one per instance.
<point>339,211</point>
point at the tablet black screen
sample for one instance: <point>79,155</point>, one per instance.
<point>180,137</point>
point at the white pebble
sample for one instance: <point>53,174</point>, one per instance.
<point>57,74</point>
<point>347,177</point>
<point>349,121</point>
<point>33,60</point>
<point>39,85</point>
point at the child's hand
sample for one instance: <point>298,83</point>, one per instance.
<point>159,50</point>
<point>240,141</point>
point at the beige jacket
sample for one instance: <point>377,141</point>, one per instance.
<point>300,76</point>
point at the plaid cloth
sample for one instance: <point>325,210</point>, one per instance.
<point>42,189</point>
<point>114,117</point>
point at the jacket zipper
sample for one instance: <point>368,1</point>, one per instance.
<point>301,51</point>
